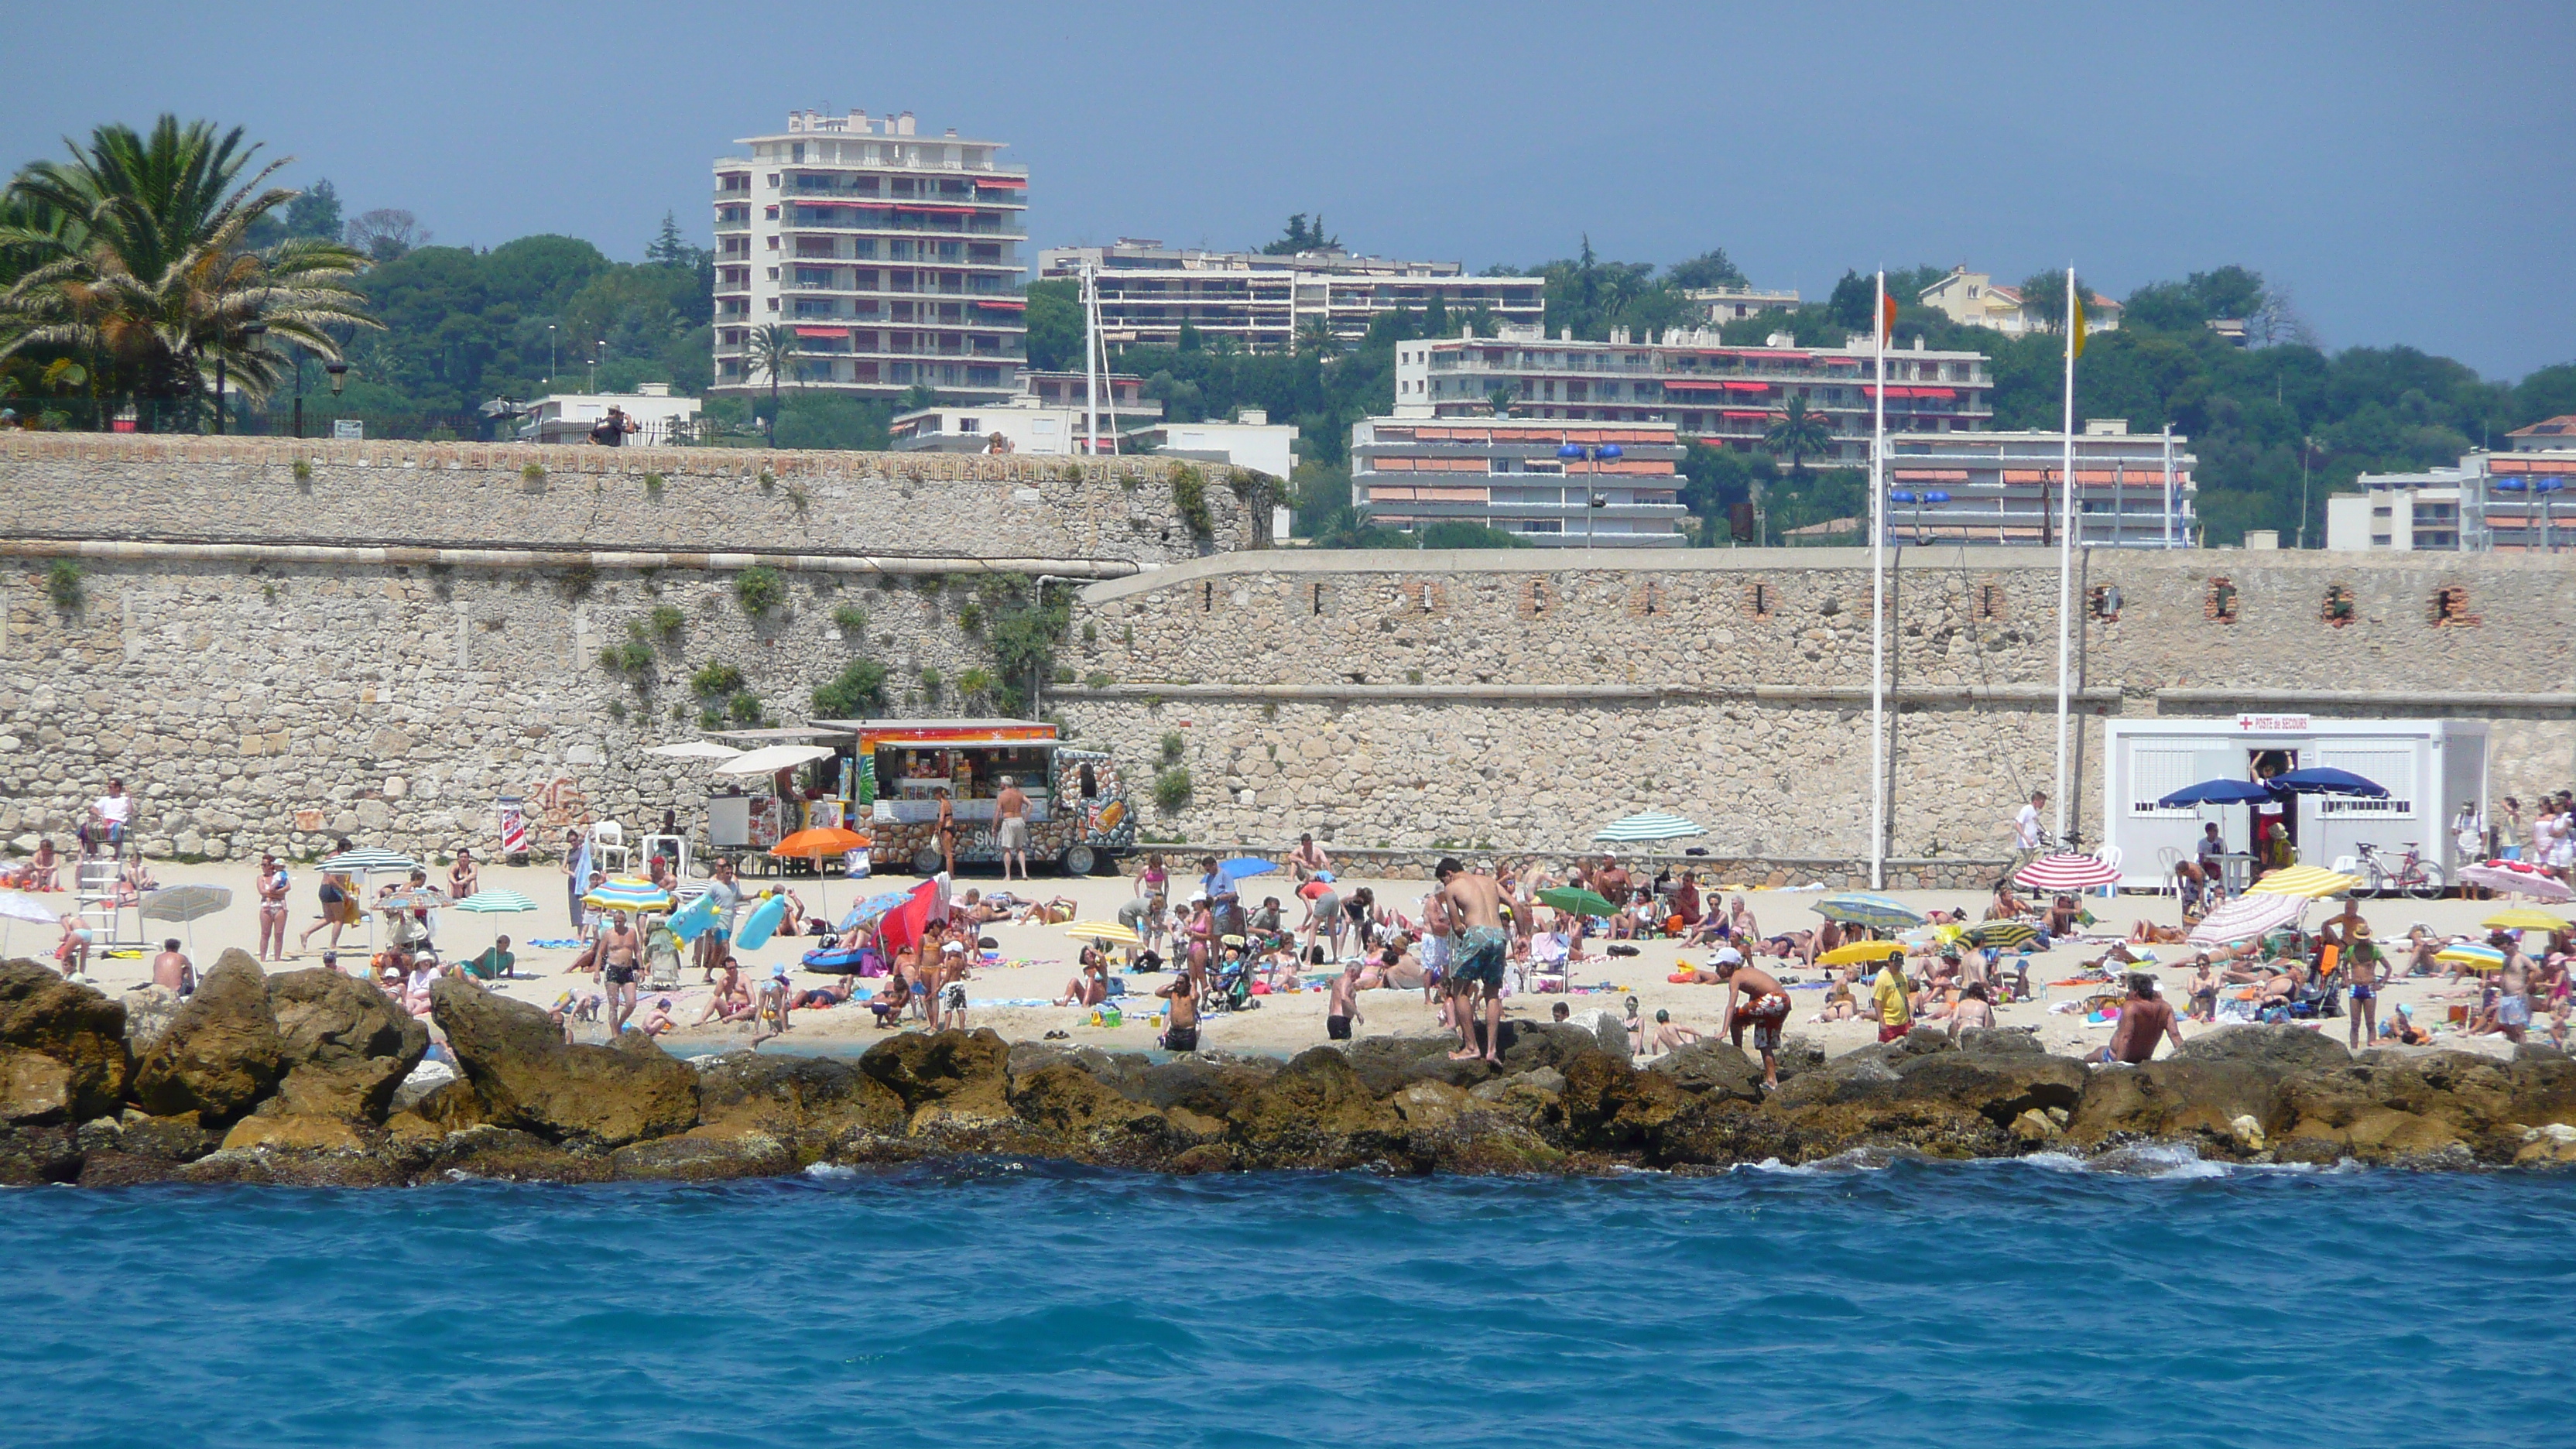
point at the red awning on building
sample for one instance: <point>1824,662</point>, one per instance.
<point>1732,386</point>
<point>1943,393</point>
<point>1014,183</point>
<point>1004,304</point>
<point>935,210</point>
<point>1740,414</point>
<point>822,331</point>
<point>1695,384</point>
<point>821,201</point>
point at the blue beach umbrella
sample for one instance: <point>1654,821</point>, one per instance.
<point>2215,792</point>
<point>2326,780</point>
<point>1245,867</point>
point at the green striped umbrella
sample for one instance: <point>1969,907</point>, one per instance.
<point>2004,935</point>
<point>1651,826</point>
<point>496,902</point>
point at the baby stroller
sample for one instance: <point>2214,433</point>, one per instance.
<point>1231,988</point>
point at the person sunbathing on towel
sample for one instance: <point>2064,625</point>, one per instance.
<point>1047,913</point>
<point>823,997</point>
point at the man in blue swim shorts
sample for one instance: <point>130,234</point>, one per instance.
<point>1479,945</point>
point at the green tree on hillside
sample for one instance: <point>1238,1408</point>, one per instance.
<point>1300,237</point>
<point>1710,268</point>
<point>2043,298</point>
<point>1055,325</point>
<point>136,263</point>
<point>1798,431</point>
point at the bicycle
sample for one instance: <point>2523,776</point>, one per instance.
<point>2414,877</point>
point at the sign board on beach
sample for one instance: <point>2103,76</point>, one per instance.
<point>2272,724</point>
<point>349,430</point>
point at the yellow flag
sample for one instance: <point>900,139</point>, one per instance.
<point>2075,329</point>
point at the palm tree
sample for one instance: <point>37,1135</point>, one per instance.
<point>1315,335</point>
<point>133,256</point>
<point>773,351</point>
<point>1798,431</point>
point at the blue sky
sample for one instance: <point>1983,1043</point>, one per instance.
<point>2408,172</point>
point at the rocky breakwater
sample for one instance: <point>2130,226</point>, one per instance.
<point>313,1078</point>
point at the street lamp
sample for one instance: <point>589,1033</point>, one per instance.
<point>1592,499</point>
<point>550,354</point>
<point>1931,498</point>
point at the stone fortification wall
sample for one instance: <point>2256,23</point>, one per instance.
<point>270,705</point>
<point>1408,699</point>
<point>61,486</point>
<point>420,632</point>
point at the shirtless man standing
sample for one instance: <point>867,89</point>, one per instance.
<point>1476,957</point>
<point>2513,989</point>
<point>1011,827</point>
<point>1182,1033</point>
<point>1342,1007</point>
<point>171,969</point>
<point>620,958</point>
<point>1765,1008</point>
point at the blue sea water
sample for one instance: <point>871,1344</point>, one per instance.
<point>1032,1305</point>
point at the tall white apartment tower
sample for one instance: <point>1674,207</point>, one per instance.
<point>893,257</point>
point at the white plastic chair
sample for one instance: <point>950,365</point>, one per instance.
<point>2111,858</point>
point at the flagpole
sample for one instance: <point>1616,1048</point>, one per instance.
<point>1878,604</point>
<point>2066,553</point>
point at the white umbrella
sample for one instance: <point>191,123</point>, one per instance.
<point>695,750</point>
<point>2246,917</point>
<point>184,904</point>
<point>19,906</point>
<point>771,759</point>
<point>368,862</point>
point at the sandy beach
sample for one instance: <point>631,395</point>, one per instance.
<point>1037,962</point>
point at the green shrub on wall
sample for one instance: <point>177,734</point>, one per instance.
<point>760,589</point>
<point>1172,789</point>
<point>1190,500</point>
<point>63,583</point>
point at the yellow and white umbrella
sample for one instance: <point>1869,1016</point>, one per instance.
<point>1116,931</point>
<point>1860,951</point>
<point>2524,918</point>
<point>2303,880</point>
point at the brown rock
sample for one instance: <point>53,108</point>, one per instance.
<point>293,1134</point>
<point>1610,1106</point>
<point>79,1030</point>
<point>33,1087</point>
<point>949,1078</point>
<point>524,1076</point>
<point>1712,1066</point>
<point>30,1155</point>
<point>347,1045</point>
<point>222,1055</point>
<point>1064,1099</point>
<point>705,1154</point>
<point>818,1106</point>
<point>1315,1113</point>
<point>2178,1097</point>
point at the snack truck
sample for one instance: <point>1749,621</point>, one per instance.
<point>891,772</point>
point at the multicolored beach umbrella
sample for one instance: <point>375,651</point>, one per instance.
<point>1861,908</point>
<point>628,893</point>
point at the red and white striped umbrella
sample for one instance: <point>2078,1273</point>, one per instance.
<point>2067,873</point>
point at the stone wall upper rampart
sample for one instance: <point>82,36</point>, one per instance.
<point>57,486</point>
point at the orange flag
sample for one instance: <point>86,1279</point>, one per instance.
<point>1887,319</point>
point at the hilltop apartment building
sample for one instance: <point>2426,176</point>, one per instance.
<point>896,257</point>
<point>1688,380</point>
<point>1510,474</point>
<point>1147,291</point>
<point>2132,490</point>
<point>2520,500</point>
